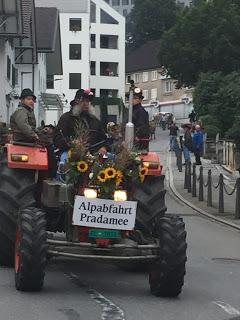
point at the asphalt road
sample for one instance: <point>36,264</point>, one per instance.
<point>92,291</point>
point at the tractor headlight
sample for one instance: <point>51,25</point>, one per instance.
<point>151,164</point>
<point>120,195</point>
<point>90,193</point>
<point>19,157</point>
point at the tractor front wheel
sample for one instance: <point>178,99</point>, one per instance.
<point>166,275</point>
<point>30,250</point>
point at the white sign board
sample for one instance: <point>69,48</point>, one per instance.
<point>107,214</point>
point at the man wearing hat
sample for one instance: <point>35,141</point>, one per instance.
<point>140,120</point>
<point>23,121</point>
<point>79,116</point>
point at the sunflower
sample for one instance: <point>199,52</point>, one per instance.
<point>142,173</point>
<point>110,173</point>
<point>102,176</point>
<point>82,166</point>
<point>119,177</point>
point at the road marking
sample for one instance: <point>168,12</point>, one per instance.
<point>110,311</point>
<point>227,308</point>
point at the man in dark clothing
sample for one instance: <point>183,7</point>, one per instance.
<point>198,144</point>
<point>79,116</point>
<point>23,121</point>
<point>187,143</point>
<point>140,121</point>
<point>173,136</point>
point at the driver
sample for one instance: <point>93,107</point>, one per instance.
<point>79,115</point>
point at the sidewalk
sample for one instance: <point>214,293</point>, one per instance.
<point>229,180</point>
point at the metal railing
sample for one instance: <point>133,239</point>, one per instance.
<point>190,184</point>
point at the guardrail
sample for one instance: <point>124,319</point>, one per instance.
<point>190,184</point>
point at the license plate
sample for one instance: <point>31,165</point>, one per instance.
<point>106,234</point>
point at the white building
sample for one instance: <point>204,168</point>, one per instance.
<point>24,53</point>
<point>93,49</point>
<point>124,7</point>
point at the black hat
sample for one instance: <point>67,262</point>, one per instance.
<point>137,92</point>
<point>27,93</point>
<point>84,93</point>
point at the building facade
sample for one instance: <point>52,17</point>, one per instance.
<point>159,90</point>
<point>93,49</point>
<point>124,7</point>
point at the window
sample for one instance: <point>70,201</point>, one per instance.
<point>75,52</point>
<point>74,80</point>
<point>110,93</point>
<point>50,81</point>
<point>75,24</point>
<point>168,86</point>
<point>145,94</point>
<point>106,18</point>
<point>93,68</point>
<point>145,76</point>
<point>137,77</point>
<point>154,94</point>
<point>128,78</point>
<point>14,76</point>
<point>93,12</point>
<point>93,41</point>
<point>125,2</point>
<point>116,2</point>
<point>8,68</point>
<point>154,75</point>
<point>109,69</point>
<point>108,41</point>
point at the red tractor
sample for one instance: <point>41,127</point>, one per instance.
<point>32,205</point>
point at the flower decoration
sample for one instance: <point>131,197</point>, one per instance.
<point>82,166</point>
<point>101,176</point>
<point>110,173</point>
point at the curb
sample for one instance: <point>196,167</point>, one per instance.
<point>227,169</point>
<point>189,204</point>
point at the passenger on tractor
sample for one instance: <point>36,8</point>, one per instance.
<point>140,121</point>
<point>80,115</point>
<point>23,121</point>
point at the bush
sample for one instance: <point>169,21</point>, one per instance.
<point>211,131</point>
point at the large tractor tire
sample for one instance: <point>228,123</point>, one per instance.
<point>30,250</point>
<point>17,190</point>
<point>150,197</point>
<point>166,275</point>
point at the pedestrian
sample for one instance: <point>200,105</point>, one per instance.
<point>187,143</point>
<point>197,141</point>
<point>23,121</point>
<point>173,136</point>
<point>193,116</point>
<point>140,121</point>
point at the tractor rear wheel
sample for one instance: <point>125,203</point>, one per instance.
<point>17,190</point>
<point>166,275</point>
<point>30,250</point>
<point>150,197</point>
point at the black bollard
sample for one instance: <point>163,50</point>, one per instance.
<point>221,194</point>
<point>178,153</point>
<point>189,177</point>
<point>209,189</point>
<point>200,196</point>
<point>194,182</point>
<point>186,177</point>
<point>237,208</point>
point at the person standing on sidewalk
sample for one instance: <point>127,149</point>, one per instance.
<point>173,136</point>
<point>187,143</point>
<point>198,144</point>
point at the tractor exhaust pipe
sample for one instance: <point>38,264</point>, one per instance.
<point>129,129</point>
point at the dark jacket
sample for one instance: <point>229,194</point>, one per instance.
<point>23,124</point>
<point>188,140</point>
<point>173,131</point>
<point>141,122</point>
<point>67,125</point>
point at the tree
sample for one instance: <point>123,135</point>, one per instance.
<point>149,19</point>
<point>205,38</point>
<point>217,100</point>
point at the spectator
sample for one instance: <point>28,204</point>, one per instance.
<point>192,116</point>
<point>187,143</point>
<point>198,144</point>
<point>173,136</point>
